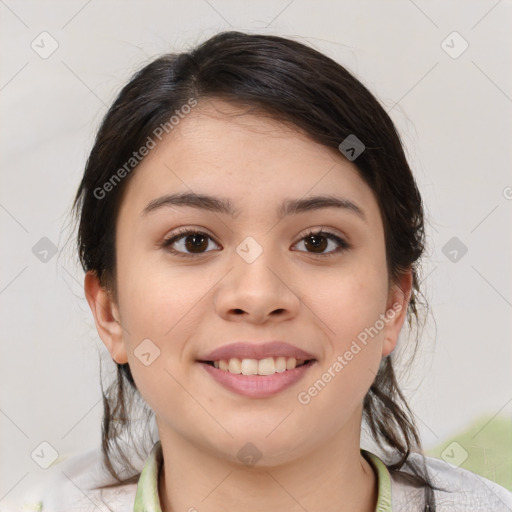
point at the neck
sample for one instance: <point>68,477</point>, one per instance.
<point>333,477</point>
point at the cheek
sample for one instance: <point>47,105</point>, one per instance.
<point>349,308</point>
<point>350,300</point>
<point>159,307</point>
<point>349,311</point>
<point>156,298</point>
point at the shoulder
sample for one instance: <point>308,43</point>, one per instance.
<point>75,484</point>
<point>458,488</point>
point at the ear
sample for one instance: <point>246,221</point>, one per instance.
<point>106,317</point>
<point>396,311</point>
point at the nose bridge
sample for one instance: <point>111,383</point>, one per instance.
<point>254,268</point>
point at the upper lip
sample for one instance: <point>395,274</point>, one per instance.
<point>256,350</point>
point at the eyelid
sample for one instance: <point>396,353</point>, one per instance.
<point>323,230</point>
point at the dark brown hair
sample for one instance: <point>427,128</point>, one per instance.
<point>292,83</point>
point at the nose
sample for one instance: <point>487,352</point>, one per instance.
<point>256,292</point>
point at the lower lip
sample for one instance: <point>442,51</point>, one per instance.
<point>258,386</point>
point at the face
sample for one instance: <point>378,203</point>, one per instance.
<point>251,275</point>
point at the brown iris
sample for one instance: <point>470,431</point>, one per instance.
<point>316,242</point>
<point>200,242</point>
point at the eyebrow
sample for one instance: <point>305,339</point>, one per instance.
<point>224,205</point>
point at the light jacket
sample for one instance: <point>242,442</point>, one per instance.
<point>73,485</point>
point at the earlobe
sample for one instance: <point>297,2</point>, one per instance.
<point>396,311</point>
<point>106,317</point>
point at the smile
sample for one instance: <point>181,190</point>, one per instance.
<point>258,378</point>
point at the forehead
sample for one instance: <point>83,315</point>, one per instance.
<point>238,153</point>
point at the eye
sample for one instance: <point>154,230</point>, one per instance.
<point>318,241</point>
<point>187,240</point>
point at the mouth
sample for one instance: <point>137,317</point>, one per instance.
<point>253,378</point>
<point>259,367</point>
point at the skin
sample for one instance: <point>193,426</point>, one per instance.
<point>310,453</point>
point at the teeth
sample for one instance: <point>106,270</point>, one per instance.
<point>267,366</point>
<point>247,366</point>
<point>234,366</point>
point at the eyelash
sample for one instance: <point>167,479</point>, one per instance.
<point>184,232</point>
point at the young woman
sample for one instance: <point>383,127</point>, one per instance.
<point>250,231</point>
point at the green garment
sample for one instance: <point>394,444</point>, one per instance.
<point>147,500</point>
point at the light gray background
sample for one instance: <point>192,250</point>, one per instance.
<point>454,115</point>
